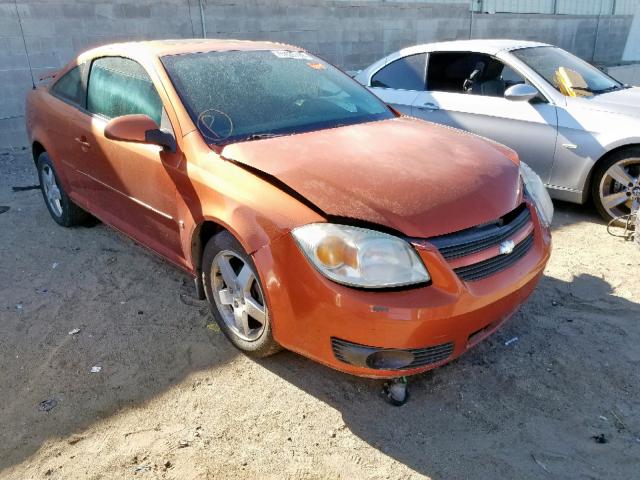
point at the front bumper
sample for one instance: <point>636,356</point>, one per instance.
<point>342,327</point>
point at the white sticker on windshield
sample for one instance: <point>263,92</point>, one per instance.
<point>291,54</point>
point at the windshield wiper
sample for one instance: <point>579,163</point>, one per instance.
<point>261,136</point>
<point>608,89</point>
<point>583,89</point>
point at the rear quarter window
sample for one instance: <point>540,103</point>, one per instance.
<point>407,73</point>
<point>71,87</point>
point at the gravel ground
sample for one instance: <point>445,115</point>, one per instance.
<point>173,399</point>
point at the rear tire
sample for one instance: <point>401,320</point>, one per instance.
<point>62,209</point>
<point>235,295</point>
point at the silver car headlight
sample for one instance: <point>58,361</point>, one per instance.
<point>537,192</point>
<point>360,257</point>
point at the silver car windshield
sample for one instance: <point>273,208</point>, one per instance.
<point>570,75</point>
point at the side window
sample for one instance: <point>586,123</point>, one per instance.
<point>120,86</point>
<point>469,73</point>
<point>406,73</point>
<point>511,77</point>
<point>70,87</point>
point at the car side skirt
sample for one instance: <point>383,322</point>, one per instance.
<point>566,194</point>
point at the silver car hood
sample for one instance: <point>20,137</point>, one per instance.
<point>626,102</point>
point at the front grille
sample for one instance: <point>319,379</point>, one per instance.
<point>422,356</point>
<point>493,265</point>
<point>476,239</point>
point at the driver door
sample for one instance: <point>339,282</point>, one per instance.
<point>135,190</point>
<point>530,128</point>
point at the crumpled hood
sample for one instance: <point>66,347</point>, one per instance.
<point>625,102</point>
<point>415,177</point>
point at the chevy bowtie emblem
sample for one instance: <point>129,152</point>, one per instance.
<point>507,247</point>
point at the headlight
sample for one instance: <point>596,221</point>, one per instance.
<point>359,257</point>
<point>537,192</point>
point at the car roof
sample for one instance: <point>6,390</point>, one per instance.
<point>488,46</point>
<point>162,48</point>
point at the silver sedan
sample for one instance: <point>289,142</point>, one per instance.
<point>577,127</point>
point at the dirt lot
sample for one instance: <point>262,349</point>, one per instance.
<point>174,400</point>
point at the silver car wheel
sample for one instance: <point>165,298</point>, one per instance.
<point>51,190</point>
<point>238,296</point>
<point>620,187</point>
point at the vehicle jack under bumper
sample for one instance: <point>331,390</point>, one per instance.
<point>395,391</point>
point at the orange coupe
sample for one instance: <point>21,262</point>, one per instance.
<point>312,216</point>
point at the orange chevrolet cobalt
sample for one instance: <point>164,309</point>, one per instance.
<point>313,217</point>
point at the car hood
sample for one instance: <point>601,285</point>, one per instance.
<point>411,176</point>
<point>626,102</point>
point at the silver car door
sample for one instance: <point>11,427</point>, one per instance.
<point>401,100</point>
<point>530,128</point>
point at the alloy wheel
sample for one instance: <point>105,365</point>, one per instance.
<point>238,295</point>
<point>51,190</point>
<point>620,187</point>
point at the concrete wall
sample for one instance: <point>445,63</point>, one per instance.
<point>632,49</point>
<point>629,74</point>
<point>55,30</point>
<point>596,39</point>
<point>349,33</point>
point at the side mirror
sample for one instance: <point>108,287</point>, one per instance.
<point>521,93</point>
<point>139,129</point>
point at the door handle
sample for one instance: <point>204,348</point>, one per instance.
<point>83,142</point>
<point>429,106</point>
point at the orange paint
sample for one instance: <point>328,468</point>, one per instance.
<point>401,175</point>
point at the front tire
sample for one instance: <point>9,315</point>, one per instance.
<point>616,185</point>
<point>236,298</point>
<point>62,209</point>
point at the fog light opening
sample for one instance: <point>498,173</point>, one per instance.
<point>390,359</point>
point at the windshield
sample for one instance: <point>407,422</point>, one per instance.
<point>242,95</point>
<point>566,72</point>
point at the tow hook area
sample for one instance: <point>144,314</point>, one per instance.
<point>395,391</point>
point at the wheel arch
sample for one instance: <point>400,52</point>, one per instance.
<point>586,191</point>
<point>37,149</point>
<point>202,233</point>
<point>205,230</point>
